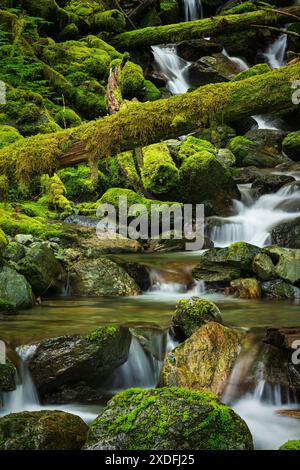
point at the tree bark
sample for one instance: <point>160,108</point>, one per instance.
<point>213,26</point>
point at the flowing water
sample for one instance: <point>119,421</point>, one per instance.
<point>193,9</point>
<point>174,68</point>
<point>275,54</point>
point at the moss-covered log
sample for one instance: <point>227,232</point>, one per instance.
<point>141,124</point>
<point>212,26</point>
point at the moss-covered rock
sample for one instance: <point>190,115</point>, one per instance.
<point>8,135</point>
<point>74,367</point>
<point>192,145</point>
<point>226,157</point>
<point>44,272</point>
<point>15,289</point>
<point>203,361</point>
<point>131,81</point>
<point>290,445</point>
<point>67,118</point>
<point>246,288</point>
<point>291,145</point>
<point>159,172</point>
<point>169,418</point>
<point>191,314</point>
<point>202,179</point>
<point>80,184</point>
<point>101,276</point>
<point>42,430</point>
<point>248,153</point>
<point>263,266</point>
<point>7,377</point>
<point>277,289</point>
<point>151,92</point>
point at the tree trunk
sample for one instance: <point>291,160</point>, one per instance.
<point>213,26</point>
<point>141,124</point>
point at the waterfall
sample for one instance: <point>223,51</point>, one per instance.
<point>240,63</point>
<point>253,223</point>
<point>173,284</point>
<point>193,9</point>
<point>142,368</point>
<point>172,67</point>
<point>275,54</point>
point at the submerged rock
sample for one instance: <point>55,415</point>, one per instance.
<point>42,430</point>
<point>193,313</point>
<point>74,367</point>
<point>102,276</point>
<point>14,289</point>
<point>168,419</point>
<point>203,361</point>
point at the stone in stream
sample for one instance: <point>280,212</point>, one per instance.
<point>263,266</point>
<point>284,337</point>
<point>15,291</point>
<point>290,414</point>
<point>248,153</point>
<point>248,288</point>
<point>73,368</point>
<point>7,377</point>
<point>291,146</point>
<point>42,430</point>
<point>268,184</point>
<point>193,313</point>
<point>101,276</point>
<point>287,234</point>
<point>168,419</point>
<point>203,361</point>
<point>269,140</point>
<point>277,289</point>
<point>193,49</point>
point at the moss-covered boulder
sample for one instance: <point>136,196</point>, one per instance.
<point>70,368</point>
<point>248,153</point>
<point>167,419</point>
<point>7,377</point>
<point>288,265</point>
<point>263,267</point>
<point>192,145</point>
<point>99,277</point>
<point>151,92</point>
<point>42,430</point>
<point>203,361</point>
<point>290,445</point>
<point>44,272</point>
<point>226,157</point>
<point>246,288</point>
<point>291,145</point>
<point>15,289</point>
<point>257,69</point>
<point>193,313</point>
<point>131,81</point>
<point>9,135</point>
<point>203,179</point>
<point>159,172</point>
<point>223,265</point>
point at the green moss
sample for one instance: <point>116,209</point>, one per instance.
<point>127,164</point>
<point>191,145</point>
<point>3,241</point>
<point>257,69</point>
<point>290,445</point>
<point>111,20</point>
<point>67,118</point>
<point>151,92</point>
<point>166,5</point>
<point>54,193</point>
<point>245,7</point>
<point>159,172</point>
<point>291,144</point>
<point>131,81</point>
<point>8,135</point>
<point>80,184</point>
<point>248,153</point>
<point>101,334</point>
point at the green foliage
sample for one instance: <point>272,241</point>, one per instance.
<point>3,241</point>
<point>191,145</point>
<point>80,184</point>
<point>66,117</point>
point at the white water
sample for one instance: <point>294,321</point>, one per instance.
<point>254,220</point>
<point>172,67</point>
<point>240,63</point>
<point>193,9</point>
<point>275,54</point>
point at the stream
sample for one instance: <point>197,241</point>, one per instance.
<point>171,280</point>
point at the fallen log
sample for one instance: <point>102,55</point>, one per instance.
<point>212,26</point>
<point>141,124</point>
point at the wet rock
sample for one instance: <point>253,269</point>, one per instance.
<point>14,289</point>
<point>263,266</point>
<point>291,146</point>
<point>101,276</point>
<point>193,313</point>
<point>287,234</point>
<point>195,49</point>
<point>14,252</point>
<point>174,419</point>
<point>277,290</point>
<point>67,365</point>
<point>175,241</point>
<point>267,139</point>
<point>210,69</point>
<point>204,360</point>
<point>41,268</point>
<point>288,267</point>
<point>226,157</point>
<point>249,153</point>
<point>139,273</point>
<point>283,338</point>
<point>269,184</point>
<point>290,414</point>
<point>245,288</point>
<point>246,175</point>
<point>7,377</point>
<point>42,430</point>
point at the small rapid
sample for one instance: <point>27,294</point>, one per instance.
<point>174,68</point>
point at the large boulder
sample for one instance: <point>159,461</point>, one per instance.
<point>204,360</point>
<point>263,266</point>
<point>74,367</point>
<point>269,140</point>
<point>277,289</point>
<point>101,276</point>
<point>42,430</point>
<point>288,266</point>
<point>168,419</point>
<point>287,234</point>
<point>193,49</point>
<point>15,289</point>
<point>40,267</point>
<point>203,179</point>
<point>269,184</point>
<point>291,146</point>
<point>222,265</point>
<point>193,313</point>
<point>248,153</point>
